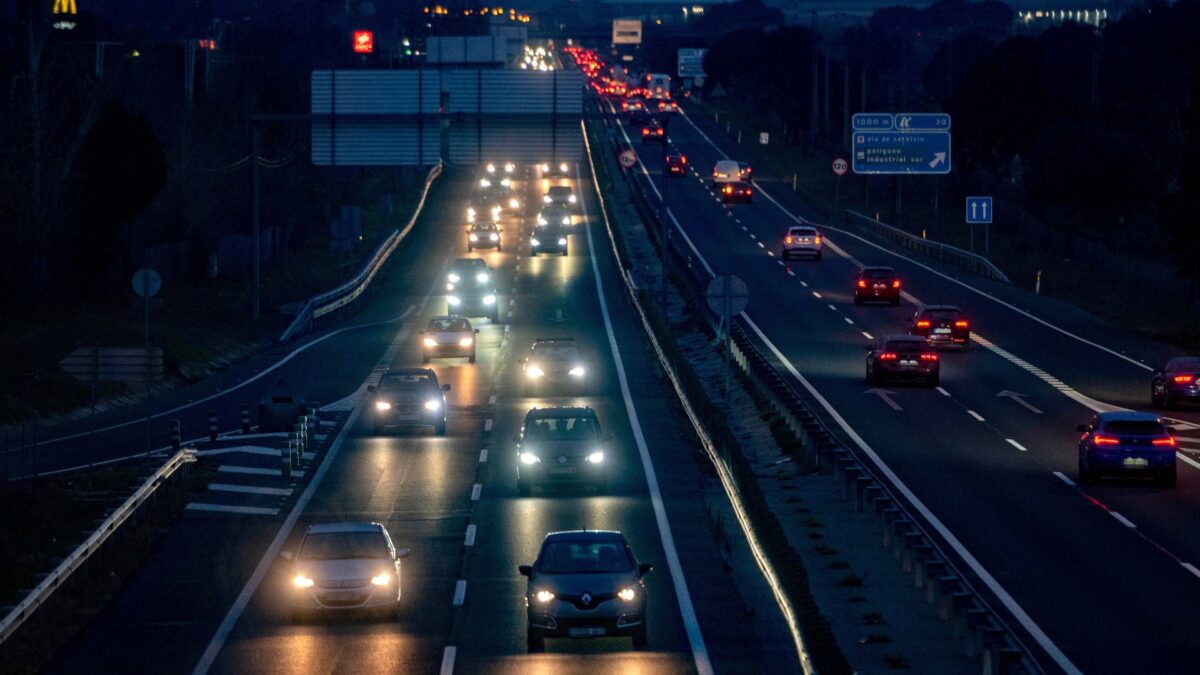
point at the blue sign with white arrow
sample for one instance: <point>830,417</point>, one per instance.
<point>900,152</point>
<point>979,210</point>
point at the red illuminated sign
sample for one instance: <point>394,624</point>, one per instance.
<point>364,42</point>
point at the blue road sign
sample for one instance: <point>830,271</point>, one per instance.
<point>691,62</point>
<point>899,152</point>
<point>979,210</point>
<point>922,122</point>
<point>871,121</point>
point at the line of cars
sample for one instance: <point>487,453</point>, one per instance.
<point>582,583</point>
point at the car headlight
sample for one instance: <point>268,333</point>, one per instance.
<point>596,457</point>
<point>566,220</point>
<point>571,199</point>
<point>454,277</point>
<point>546,199</point>
<point>381,579</point>
<point>577,371</point>
<point>485,183</point>
<point>493,236</point>
<point>432,405</point>
<point>383,405</point>
<point>627,594</point>
<point>489,299</point>
<point>541,220</point>
<point>473,237</point>
<point>513,203</point>
<point>529,458</point>
<point>510,167</point>
<point>544,168</point>
<point>453,300</point>
<point>466,342</point>
<point>481,277</point>
<point>534,242</point>
<point>563,167</point>
<point>495,212</point>
<point>534,371</point>
<point>562,241</point>
<point>471,213</point>
<point>430,342</point>
<point>491,168</point>
<point>302,581</point>
<point>544,596</point>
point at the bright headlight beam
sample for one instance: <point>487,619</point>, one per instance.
<point>382,579</point>
<point>430,342</point>
<point>529,458</point>
<point>534,371</point>
<point>432,405</point>
<point>383,405</point>
<point>302,581</point>
<point>596,457</point>
<point>627,594</point>
<point>544,596</point>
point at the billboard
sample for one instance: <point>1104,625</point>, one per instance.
<point>627,32</point>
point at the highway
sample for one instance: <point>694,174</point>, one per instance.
<point>1100,579</point>
<point>212,596</point>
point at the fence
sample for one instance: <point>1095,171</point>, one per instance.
<point>348,292</point>
<point>934,249</point>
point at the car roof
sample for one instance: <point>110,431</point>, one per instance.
<point>947,308</point>
<point>323,528</point>
<point>409,371</point>
<point>448,316</point>
<point>560,411</point>
<point>485,225</point>
<point>1184,362</point>
<point>801,228</point>
<point>1127,416</point>
<point>726,161</point>
<point>596,535</point>
<point>877,268</point>
<point>468,262</point>
<point>560,188</point>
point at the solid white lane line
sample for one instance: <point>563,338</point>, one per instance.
<point>483,456</point>
<point>476,489</point>
<point>941,391</point>
<point>469,538</point>
<point>487,425</point>
<point>227,508</point>
<point>977,416</point>
<point>249,470</point>
<point>867,335</point>
<point>250,489</point>
<point>1016,445</point>
<point>1188,460</point>
<point>448,656</point>
<point>1191,568</point>
<point>1123,520</point>
<point>1063,477</point>
<point>460,593</point>
<point>687,610</point>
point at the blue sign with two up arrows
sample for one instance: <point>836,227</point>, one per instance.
<point>900,143</point>
<point>979,210</point>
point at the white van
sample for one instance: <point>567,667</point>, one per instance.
<point>726,171</point>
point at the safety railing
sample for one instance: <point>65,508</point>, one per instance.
<point>348,292</point>
<point>79,557</point>
<point>934,249</point>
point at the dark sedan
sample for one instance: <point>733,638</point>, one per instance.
<point>876,284</point>
<point>903,357</point>
<point>941,325</point>
<point>1178,381</point>
<point>737,191</point>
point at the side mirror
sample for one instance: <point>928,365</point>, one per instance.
<point>403,552</point>
<point>372,388</point>
<point>644,569</point>
<point>445,387</point>
<point>525,570</point>
<point>1082,428</point>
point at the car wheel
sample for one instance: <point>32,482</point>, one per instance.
<point>535,639</point>
<point>471,358</point>
<point>1155,397</point>
<point>857,300</point>
<point>524,489</point>
<point>440,429</point>
<point>895,301</point>
<point>499,248</point>
<point>639,635</point>
<point>601,487</point>
<point>934,380</point>
<point>495,317</point>
<point>532,253</point>
<point>1082,475</point>
<point>1168,402</point>
<point>1168,478</point>
<point>297,615</point>
<point>783,254</point>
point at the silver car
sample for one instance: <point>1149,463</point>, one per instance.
<point>802,240</point>
<point>448,336</point>
<point>585,583</point>
<point>345,566</point>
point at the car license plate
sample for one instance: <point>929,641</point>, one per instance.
<point>908,364</point>
<point>941,331</point>
<point>1135,462</point>
<point>562,469</point>
<point>343,596</point>
<point>589,631</point>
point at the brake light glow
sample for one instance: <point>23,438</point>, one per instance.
<point>1184,379</point>
<point>887,356</point>
<point>896,283</point>
<point>1169,441</point>
<point>961,324</point>
<point>929,357</point>
<point>922,324</point>
<point>1105,440</point>
<point>862,283</point>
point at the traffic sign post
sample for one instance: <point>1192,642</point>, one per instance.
<point>691,63</point>
<point>980,212</point>
<point>901,143</point>
<point>628,158</point>
<point>727,295</point>
<point>840,166</point>
<point>147,283</point>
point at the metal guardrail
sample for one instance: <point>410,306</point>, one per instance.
<point>951,254</point>
<point>42,592</point>
<point>348,292</point>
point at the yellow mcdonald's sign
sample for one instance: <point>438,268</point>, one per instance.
<point>64,7</point>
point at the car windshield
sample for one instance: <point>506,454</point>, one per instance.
<point>585,557</point>
<point>554,351</point>
<point>803,233</point>
<point>880,273</point>
<point>468,266</point>
<point>448,325</point>
<point>343,545</point>
<point>940,314</point>
<point>561,429</point>
<point>1184,364</point>
<point>394,382</point>
<point>485,227</point>
<point>1134,426</point>
<point>559,191</point>
<point>905,345</point>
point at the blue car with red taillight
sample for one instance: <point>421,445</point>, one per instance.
<point>1178,381</point>
<point>1130,444</point>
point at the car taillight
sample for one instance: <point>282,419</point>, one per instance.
<point>862,283</point>
<point>1184,379</point>
<point>1169,441</point>
<point>896,283</point>
<point>922,324</point>
<point>683,159</point>
<point>887,356</point>
<point>1105,440</point>
<point>728,189</point>
<point>961,324</point>
<point>929,357</point>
